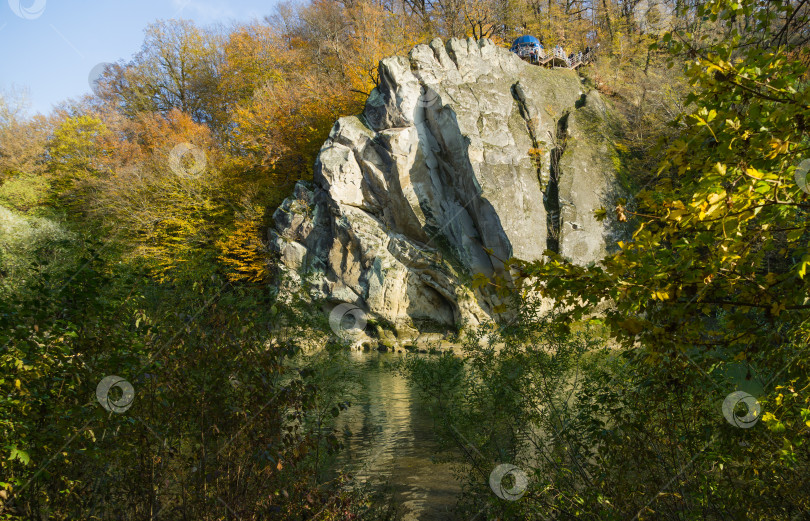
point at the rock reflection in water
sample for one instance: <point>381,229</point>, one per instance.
<point>388,439</point>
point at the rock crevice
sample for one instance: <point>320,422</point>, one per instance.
<point>551,197</point>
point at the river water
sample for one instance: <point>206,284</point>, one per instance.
<point>387,433</point>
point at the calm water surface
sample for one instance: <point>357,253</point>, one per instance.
<point>388,440</point>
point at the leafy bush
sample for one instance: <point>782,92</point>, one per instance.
<point>28,248</point>
<point>608,433</point>
<point>24,193</point>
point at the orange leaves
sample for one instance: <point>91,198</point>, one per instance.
<point>621,213</point>
<point>282,127</point>
<point>163,186</point>
<point>149,137</point>
<point>158,132</point>
<point>254,56</point>
<point>374,34</point>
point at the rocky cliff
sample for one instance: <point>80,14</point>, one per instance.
<point>462,148</point>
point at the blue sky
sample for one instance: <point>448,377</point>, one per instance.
<point>50,46</point>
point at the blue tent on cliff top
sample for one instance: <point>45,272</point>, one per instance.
<point>525,41</point>
<point>527,46</point>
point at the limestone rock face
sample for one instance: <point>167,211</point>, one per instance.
<point>462,149</point>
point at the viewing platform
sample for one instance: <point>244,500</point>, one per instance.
<point>530,49</point>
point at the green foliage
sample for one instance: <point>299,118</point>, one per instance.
<point>226,416</point>
<point>604,433</point>
<point>158,276</point>
<point>25,192</point>
<point>28,247</point>
<point>715,271</point>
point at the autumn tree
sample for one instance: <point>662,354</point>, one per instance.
<point>165,191</point>
<point>22,138</point>
<point>177,68</point>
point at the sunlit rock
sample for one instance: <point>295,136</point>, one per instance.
<point>462,150</point>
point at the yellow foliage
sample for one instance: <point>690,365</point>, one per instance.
<point>167,204</point>
<point>244,252</point>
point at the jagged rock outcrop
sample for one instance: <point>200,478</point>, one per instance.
<point>462,148</point>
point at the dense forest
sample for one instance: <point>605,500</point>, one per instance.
<point>133,243</point>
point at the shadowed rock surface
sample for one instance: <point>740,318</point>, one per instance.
<point>462,148</point>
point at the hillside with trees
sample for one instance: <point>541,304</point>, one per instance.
<point>133,242</point>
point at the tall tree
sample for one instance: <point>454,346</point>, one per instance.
<point>177,68</point>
